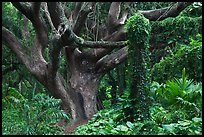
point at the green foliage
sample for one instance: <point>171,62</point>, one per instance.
<point>185,127</point>
<point>170,112</point>
<point>176,29</point>
<point>194,10</point>
<point>35,117</point>
<point>180,94</point>
<point>188,56</point>
<point>108,122</point>
<point>172,31</point>
<point>138,28</point>
<point>11,23</point>
<point>161,122</point>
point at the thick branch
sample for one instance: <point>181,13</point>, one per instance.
<point>109,62</point>
<point>122,20</point>
<point>59,21</point>
<point>117,36</point>
<point>114,11</point>
<point>10,40</point>
<point>39,25</point>
<point>55,58</point>
<point>81,18</point>
<point>49,18</point>
<point>163,13</point>
<point>103,44</point>
<point>36,65</point>
<point>24,9</point>
<point>33,14</point>
<point>113,15</point>
<point>56,13</point>
<point>36,8</point>
<point>76,10</point>
<point>69,38</point>
<point>100,52</point>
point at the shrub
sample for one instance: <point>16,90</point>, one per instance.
<point>184,56</point>
<point>166,33</point>
<point>180,94</point>
<point>35,117</point>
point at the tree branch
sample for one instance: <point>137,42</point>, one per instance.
<point>109,62</point>
<point>38,24</point>
<point>102,44</point>
<point>55,60</point>
<point>33,14</point>
<point>163,13</point>
<point>36,65</point>
<point>117,36</point>
<point>24,9</point>
<point>113,15</point>
<point>76,10</point>
<point>81,18</point>
<point>71,39</point>
<point>56,13</point>
<point>10,40</point>
<point>36,8</point>
<point>49,18</point>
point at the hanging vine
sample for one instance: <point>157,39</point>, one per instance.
<point>138,28</point>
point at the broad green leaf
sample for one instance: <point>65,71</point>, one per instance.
<point>129,124</point>
<point>195,119</point>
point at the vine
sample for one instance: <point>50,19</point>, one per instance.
<point>138,28</point>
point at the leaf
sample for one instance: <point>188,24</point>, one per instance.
<point>124,128</point>
<point>195,119</point>
<point>184,123</point>
<point>96,124</point>
<point>129,124</point>
<point>169,127</point>
<point>121,128</point>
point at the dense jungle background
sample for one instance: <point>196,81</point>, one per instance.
<point>102,68</point>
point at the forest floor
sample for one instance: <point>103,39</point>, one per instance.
<point>69,129</point>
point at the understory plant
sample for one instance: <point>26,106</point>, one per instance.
<point>182,56</point>
<point>176,109</point>
<point>37,116</point>
<point>180,94</point>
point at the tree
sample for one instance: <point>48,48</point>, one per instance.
<point>87,61</point>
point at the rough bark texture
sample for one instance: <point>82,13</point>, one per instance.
<point>85,68</point>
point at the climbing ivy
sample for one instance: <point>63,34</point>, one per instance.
<point>138,28</point>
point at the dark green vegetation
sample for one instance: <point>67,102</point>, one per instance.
<point>138,28</point>
<point>175,90</point>
<point>36,116</point>
<point>156,91</point>
<point>188,56</point>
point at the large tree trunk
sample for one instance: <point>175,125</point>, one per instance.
<point>79,92</point>
<point>85,85</point>
<point>84,82</point>
<point>78,96</point>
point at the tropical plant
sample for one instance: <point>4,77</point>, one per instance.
<point>185,127</point>
<point>37,116</point>
<point>180,94</point>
